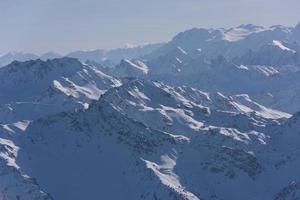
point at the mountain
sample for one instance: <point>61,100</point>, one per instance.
<point>114,56</point>
<point>156,141</point>
<point>229,43</point>
<point>34,88</point>
<point>274,54</point>
<point>184,109</point>
<point>109,147</point>
<point>30,90</point>
<point>14,184</point>
<point>269,85</point>
<point>19,56</point>
<point>127,68</point>
<point>171,62</point>
<point>213,114</point>
<point>50,55</point>
<point>108,58</point>
<point>259,61</point>
<point>246,44</point>
<point>92,55</point>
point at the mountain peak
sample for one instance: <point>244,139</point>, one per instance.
<point>39,64</point>
<point>128,68</point>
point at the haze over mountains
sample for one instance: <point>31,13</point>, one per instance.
<point>108,57</point>
<point>212,114</point>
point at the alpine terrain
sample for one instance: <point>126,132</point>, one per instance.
<point>213,114</point>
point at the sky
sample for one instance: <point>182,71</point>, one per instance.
<point>39,26</point>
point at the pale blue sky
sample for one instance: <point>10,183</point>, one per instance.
<point>65,25</point>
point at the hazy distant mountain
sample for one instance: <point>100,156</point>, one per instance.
<point>19,56</point>
<point>115,55</point>
<point>108,58</point>
<point>92,55</point>
<point>50,55</point>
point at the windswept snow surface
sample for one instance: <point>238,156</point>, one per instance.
<point>281,46</point>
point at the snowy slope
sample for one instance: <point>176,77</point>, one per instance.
<point>36,88</point>
<point>170,63</point>
<point>105,147</point>
<point>14,184</point>
<point>229,43</point>
<point>276,54</point>
<point>185,109</point>
<point>254,60</point>
<point>273,86</point>
<point>216,124</point>
<point>118,149</point>
<point>127,68</point>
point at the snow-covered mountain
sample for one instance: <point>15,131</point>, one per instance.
<point>184,109</point>
<point>213,114</point>
<point>245,44</point>
<point>114,56</point>
<point>109,58</point>
<point>261,62</point>
<point>45,88</point>
<point>229,43</point>
<point>148,140</point>
<point>129,68</point>
<point>32,89</point>
<point>14,184</point>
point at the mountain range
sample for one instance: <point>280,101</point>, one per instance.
<point>107,57</point>
<point>213,114</point>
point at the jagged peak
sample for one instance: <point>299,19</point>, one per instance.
<point>130,68</point>
<point>40,64</point>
